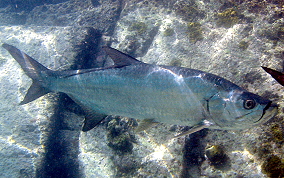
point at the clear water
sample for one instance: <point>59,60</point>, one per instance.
<point>231,39</point>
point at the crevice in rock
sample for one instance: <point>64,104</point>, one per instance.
<point>88,50</point>
<point>61,150</point>
<point>193,154</point>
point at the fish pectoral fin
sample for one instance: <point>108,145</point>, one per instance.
<point>92,120</point>
<point>119,58</point>
<point>202,125</point>
<point>146,124</point>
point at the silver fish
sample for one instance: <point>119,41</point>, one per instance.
<point>155,93</point>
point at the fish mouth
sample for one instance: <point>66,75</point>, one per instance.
<point>269,111</point>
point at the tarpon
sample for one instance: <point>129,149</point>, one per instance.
<point>153,93</point>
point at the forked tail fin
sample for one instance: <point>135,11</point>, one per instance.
<point>33,69</point>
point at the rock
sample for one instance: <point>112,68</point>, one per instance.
<point>16,12</point>
<point>77,13</point>
<point>95,155</point>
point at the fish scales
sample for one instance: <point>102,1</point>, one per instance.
<point>153,93</point>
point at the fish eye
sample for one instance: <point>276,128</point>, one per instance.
<point>249,104</point>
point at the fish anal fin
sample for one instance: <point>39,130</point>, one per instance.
<point>146,124</point>
<point>35,91</point>
<point>202,125</point>
<point>92,119</point>
<point>119,58</point>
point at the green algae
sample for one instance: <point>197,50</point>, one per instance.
<point>175,62</point>
<point>273,166</point>
<point>217,157</point>
<point>138,27</point>
<point>243,45</point>
<point>277,133</point>
<point>227,18</point>
<point>188,10</point>
<point>280,33</point>
<point>258,6</point>
<point>168,32</point>
<point>194,31</point>
<point>274,32</point>
<point>119,137</point>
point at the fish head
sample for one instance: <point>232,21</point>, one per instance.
<point>239,109</point>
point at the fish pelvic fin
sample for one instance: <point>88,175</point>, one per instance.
<point>33,69</point>
<point>202,125</point>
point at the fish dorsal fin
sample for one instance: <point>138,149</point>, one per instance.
<point>202,125</point>
<point>119,58</point>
